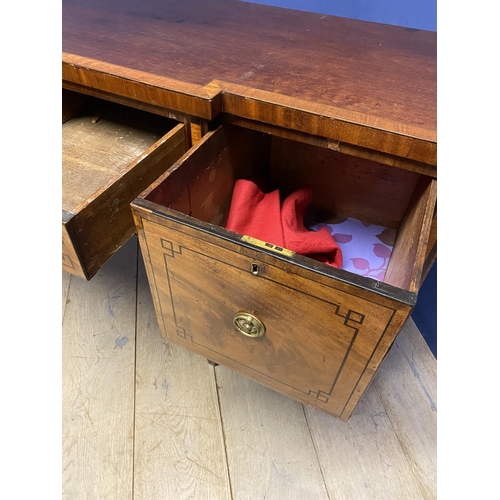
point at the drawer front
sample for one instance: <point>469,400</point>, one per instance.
<point>321,343</point>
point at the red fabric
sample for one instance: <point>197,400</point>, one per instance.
<point>255,213</point>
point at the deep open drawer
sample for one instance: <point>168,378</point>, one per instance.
<point>110,153</point>
<point>326,330</point>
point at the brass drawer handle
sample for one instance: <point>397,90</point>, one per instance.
<point>248,324</point>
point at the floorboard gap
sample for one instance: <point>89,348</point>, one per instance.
<point>223,431</point>
<point>316,451</point>
<point>138,256</point>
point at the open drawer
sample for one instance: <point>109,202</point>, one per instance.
<point>110,153</point>
<point>297,325</point>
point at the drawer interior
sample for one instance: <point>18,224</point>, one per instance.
<point>100,142</point>
<point>403,202</point>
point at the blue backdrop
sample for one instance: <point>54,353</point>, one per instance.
<point>419,14</point>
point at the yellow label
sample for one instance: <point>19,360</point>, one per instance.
<point>268,246</point>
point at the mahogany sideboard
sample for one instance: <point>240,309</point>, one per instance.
<point>166,104</point>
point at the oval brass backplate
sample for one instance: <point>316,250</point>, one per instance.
<point>248,324</point>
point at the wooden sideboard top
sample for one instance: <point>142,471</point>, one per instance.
<point>366,84</point>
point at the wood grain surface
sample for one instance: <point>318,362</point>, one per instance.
<point>411,404</point>
<point>98,350</point>
<point>408,256</point>
<point>178,429</point>
<point>363,83</point>
<point>299,135</point>
<point>200,273</point>
<point>266,443</point>
<point>71,261</point>
<point>263,461</point>
<point>105,223</point>
<point>368,438</point>
<point>344,184</point>
<point>201,183</point>
<point>324,358</point>
<point>110,154</point>
<point>96,154</point>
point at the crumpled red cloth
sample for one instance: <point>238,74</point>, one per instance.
<point>259,214</point>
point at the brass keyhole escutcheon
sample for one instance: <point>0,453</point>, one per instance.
<point>248,324</point>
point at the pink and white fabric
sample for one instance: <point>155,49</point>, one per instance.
<point>366,248</point>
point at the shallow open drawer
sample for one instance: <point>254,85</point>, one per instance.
<point>297,325</point>
<point>110,153</point>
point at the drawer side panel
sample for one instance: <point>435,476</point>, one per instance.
<point>70,260</point>
<point>106,223</point>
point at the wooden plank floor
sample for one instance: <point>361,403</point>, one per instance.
<point>144,419</point>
